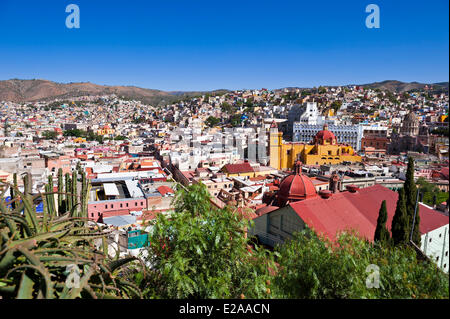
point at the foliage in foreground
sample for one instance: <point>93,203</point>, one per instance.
<point>202,252</point>
<point>310,267</point>
<point>39,253</point>
<point>198,252</point>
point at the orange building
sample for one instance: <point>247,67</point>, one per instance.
<point>323,149</point>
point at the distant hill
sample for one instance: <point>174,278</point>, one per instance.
<point>16,90</point>
<point>399,87</point>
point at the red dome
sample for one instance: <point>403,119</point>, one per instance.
<point>325,135</point>
<point>296,187</point>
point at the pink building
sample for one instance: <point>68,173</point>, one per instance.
<point>108,208</point>
<point>115,196</point>
<point>55,161</point>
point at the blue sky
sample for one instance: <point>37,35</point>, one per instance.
<point>203,45</point>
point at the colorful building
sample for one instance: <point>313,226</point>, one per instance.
<point>323,149</point>
<point>105,130</point>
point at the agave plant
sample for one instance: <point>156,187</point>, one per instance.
<point>54,254</point>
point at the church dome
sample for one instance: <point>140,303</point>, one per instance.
<point>411,118</point>
<point>296,187</point>
<point>325,135</point>
<point>410,125</point>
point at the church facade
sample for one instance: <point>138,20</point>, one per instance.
<point>323,149</point>
<point>412,137</point>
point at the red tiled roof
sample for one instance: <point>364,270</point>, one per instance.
<point>444,172</point>
<point>257,178</point>
<point>165,190</point>
<point>238,168</point>
<point>358,211</point>
<point>265,210</point>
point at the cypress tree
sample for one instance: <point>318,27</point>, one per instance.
<point>400,224</point>
<point>410,197</point>
<point>381,232</point>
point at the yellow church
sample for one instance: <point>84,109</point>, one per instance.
<point>324,149</point>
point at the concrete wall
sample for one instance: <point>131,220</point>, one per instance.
<point>277,226</point>
<point>435,244</point>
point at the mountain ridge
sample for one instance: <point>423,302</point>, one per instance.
<point>17,90</point>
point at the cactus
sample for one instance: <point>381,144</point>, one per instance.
<point>68,192</point>
<point>12,189</point>
<point>74,193</point>
<point>61,207</point>
<point>49,196</point>
<point>36,249</point>
<point>84,195</point>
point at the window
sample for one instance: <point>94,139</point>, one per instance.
<point>430,240</point>
<point>121,205</point>
<point>446,253</point>
<point>135,203</point>
<point>92,214</point>
<point>142,203</point>
<point>112,205</point>
<point>437,258</point>
<point>440,235</point>
<point>106,206</point>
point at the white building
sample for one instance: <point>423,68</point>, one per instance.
<point>345,134</point>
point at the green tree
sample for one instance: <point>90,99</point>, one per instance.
<point>431,194</point>
<point>49,135</point>
<point>212,121</point>
<point>201,251</point>
<point>227,107</point>
<point>235,120</point>
<point>336,105</point>
<point>75,133</point>
<point>410,197</point>
<point>313,267</point>
<point>400,222</point>
<point>381,232</point>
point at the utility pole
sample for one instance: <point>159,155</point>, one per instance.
<point>415,212</point>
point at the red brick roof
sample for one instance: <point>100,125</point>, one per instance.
<point>359,211</point>
<point>239,168</point>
